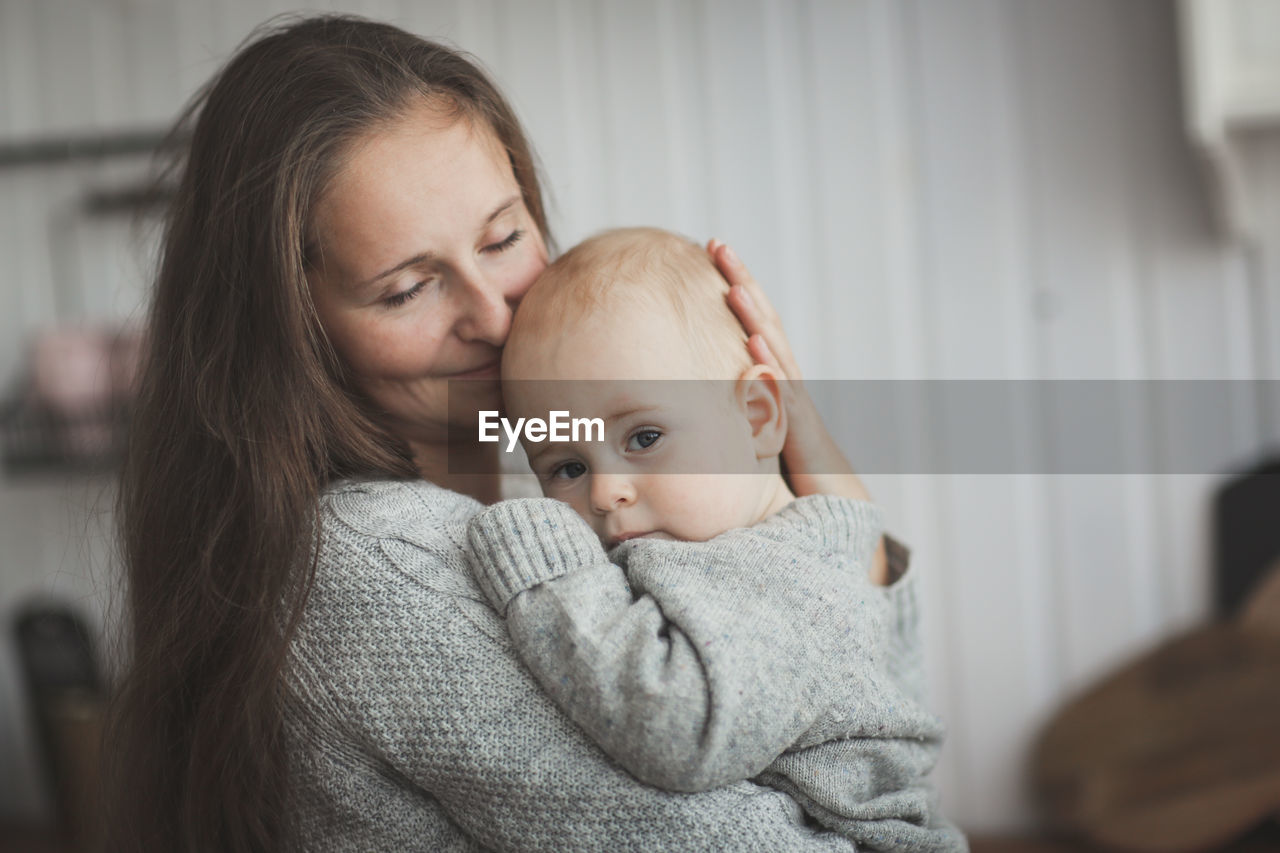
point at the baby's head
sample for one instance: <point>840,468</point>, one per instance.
<point>618,323</point>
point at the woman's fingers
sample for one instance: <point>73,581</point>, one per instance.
<point>736,273</point>
<point>747,310</point>
<point>761,354</point>
<point>814,462</point>
<point>753,309</point>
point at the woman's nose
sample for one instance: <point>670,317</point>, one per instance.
<point>611,491</point>
<point>486,312</point>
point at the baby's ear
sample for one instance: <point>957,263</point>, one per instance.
<point>759,394</point>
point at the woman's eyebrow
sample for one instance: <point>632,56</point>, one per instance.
<point>420,258</point>
<point>502,208</point>
<point>424,257</point>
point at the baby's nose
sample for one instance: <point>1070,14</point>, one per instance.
<point>611,491</point>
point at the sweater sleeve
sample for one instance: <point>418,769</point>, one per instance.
<point>904,658</point>
<point>702,662</point>
<point>412,696</point>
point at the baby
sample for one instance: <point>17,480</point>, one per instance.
<point>729,632</point>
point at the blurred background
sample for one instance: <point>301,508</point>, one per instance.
<point>957,189</point>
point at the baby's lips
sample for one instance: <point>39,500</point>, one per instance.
<point>617,539</point>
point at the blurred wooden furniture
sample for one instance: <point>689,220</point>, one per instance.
<point>31,838</point>
<point>1263,840</point>
<point>1179,750</point>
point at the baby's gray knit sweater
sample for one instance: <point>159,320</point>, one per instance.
<point>413,725</point>
<point>765,653</point>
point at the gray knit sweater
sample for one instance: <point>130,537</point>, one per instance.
<point>764,653</point>
<point>413,725</point>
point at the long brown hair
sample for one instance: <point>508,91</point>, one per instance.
<point>244,417</point>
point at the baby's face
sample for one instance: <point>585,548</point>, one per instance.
<point>674,460</point>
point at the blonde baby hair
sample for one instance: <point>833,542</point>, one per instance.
<point>640,267</point>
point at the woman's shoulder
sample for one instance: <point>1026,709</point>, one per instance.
<point>385,537</point>
<point>390,508</point>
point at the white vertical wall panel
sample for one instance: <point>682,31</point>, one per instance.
<point>742,184</point>
<point>20,62</point>
<point>577,207</point>
<point>861,173</point>
<point>1075,103</point>
<point>1194,295</point>
<point>1265,282</point>
<point>789,96</point>
<point>638,125</point>
<point>682,64</point>
<point>867,239</point>
<point>991,189</point>
<point>536,77</point>
<point>976,310</point>
<point>478,22</point>
<point>65,79</point>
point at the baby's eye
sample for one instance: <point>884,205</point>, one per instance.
<point>568,471</point>
<point>643,439</point>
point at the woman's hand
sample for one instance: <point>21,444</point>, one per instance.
<point>813,461</point>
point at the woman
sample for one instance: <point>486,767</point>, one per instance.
<point>358,216</point>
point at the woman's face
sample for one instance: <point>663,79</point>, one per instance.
<point>425,248</point>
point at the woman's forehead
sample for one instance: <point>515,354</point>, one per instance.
<point>414,185</point>
<point>419,150</point>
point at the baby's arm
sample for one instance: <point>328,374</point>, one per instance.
<point>703,662</point>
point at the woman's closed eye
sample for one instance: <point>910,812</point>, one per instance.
<point>505,243</point>
<point>643,439</point>
<point>395,300</point>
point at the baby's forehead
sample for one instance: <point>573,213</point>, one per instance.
<point>698,404</point>
<point>638,297</point>
<point>619,339</point>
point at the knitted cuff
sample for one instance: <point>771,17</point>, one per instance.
<point>519,544</point>
<point>838,524</point>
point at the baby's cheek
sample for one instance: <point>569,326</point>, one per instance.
<point>701,507</point>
